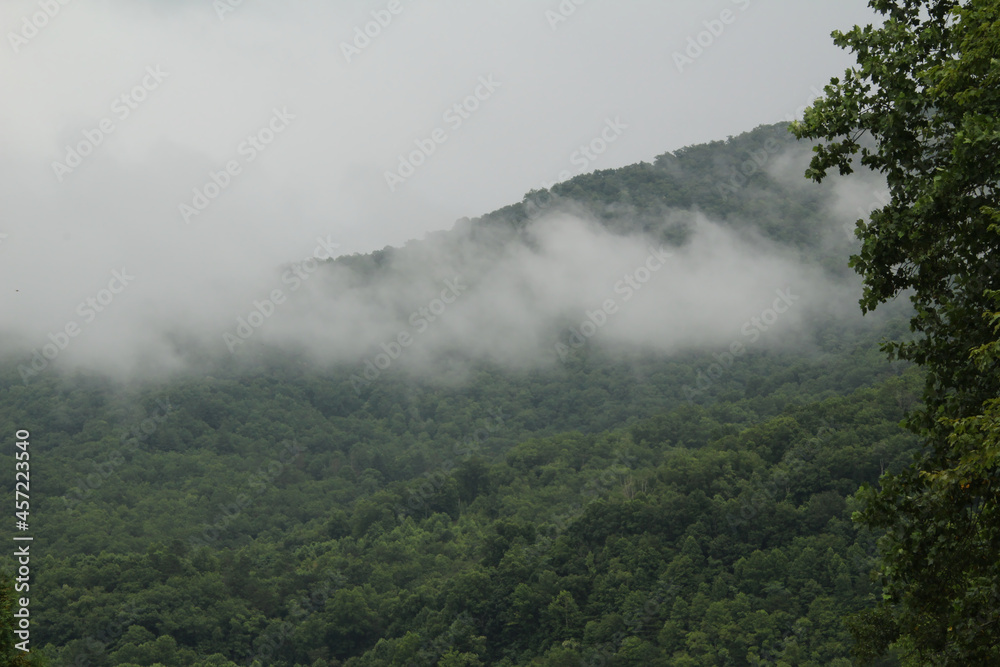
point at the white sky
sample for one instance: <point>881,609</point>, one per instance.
<point>324,174</point>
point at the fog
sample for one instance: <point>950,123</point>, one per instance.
<point>479,292</point>
<point>162,164</point>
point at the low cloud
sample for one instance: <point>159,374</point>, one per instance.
<point>478,292</point>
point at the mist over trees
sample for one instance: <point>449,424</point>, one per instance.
<point>614,503</point>
<point>926,92</point>
<point>635,418</point>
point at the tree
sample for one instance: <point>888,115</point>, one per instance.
<point>563,616</point>
<point>927,92</point>
<point>9,653</point>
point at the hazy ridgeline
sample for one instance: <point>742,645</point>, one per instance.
<point>621,420</point>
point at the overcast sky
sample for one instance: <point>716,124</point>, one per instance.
<point>228,66</point>
<point>198,143</point>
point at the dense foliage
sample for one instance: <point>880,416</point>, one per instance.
<point>926,93</point>
<point>699,535</point>
<point>594,513</point>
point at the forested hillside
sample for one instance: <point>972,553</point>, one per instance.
<point>621,507</point>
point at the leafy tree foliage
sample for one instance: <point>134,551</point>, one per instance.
<point>267,514</point>
<point>9,653</point>
<point>926,90</point>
